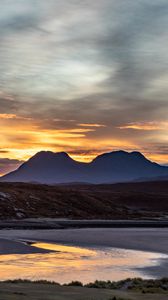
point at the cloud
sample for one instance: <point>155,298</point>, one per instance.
<point>91,125</point>
<point>69,65</point>
<point>146,126</point>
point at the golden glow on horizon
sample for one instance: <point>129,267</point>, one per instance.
<point>23,137</point>
<point>159,158</point>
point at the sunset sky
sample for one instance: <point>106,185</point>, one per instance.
<point>84,77</point>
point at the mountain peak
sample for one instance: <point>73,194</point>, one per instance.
<point>137,154</point>
<point>120,154</point>
<point>50,155</point>
<point>114,154</point>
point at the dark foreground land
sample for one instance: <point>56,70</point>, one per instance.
<point>128,290</point>
<point>127,201</point>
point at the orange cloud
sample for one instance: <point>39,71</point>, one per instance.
<point>8,116</point>
<point>91,125</point>
<point>146,126</point>
<point>13,116</point>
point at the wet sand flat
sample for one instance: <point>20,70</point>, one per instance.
<point>146,239</point>
<point>16,247</point>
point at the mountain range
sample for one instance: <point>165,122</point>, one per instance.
<point>56,168</point>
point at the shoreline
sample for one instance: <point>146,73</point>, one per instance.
<point>48,223</point>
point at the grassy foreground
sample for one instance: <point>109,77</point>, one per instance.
<point>131,289</point>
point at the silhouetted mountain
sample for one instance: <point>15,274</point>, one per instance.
<point>119,166</point>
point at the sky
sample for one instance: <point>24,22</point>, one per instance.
<point>82,76</point>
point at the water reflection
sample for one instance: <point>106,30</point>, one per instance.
<point>67,263</point>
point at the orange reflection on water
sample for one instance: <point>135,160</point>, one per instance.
<point>67,263</point>
<point>64,248</point>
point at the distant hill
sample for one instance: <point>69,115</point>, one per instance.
<point>155,178</point>
<point>122,201</point>
<point>54,168</point>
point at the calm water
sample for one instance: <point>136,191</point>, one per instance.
<point>67,263</point>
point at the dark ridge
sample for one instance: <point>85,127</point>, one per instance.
<point>126,201</point>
